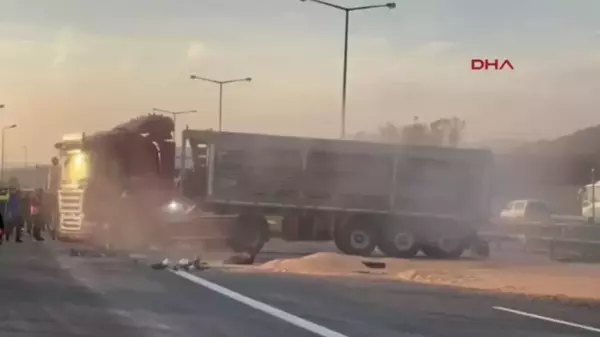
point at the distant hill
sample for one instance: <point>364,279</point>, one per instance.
<point>551,170</point>
<point>585,142</point>
<point>565,160</point>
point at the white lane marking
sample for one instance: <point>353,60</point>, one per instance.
<point>285,316</point>
<point>548,319</point>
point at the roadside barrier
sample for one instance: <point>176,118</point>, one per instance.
<point>559,240</point>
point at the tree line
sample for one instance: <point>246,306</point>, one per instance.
<point>441,132</point>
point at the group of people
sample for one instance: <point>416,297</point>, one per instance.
<point>22,213</point>
<point>30,211</point>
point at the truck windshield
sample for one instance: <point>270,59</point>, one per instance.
<point>75,167</point>
<point>538,208</point>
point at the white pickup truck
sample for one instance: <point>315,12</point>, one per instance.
<point>526,210</point>
<point>534,210</point>
<point>589,196</point>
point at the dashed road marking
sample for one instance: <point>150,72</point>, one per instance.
<point>548,319</point>
<point>270,310</point>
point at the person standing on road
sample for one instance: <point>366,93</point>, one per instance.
<point>13,215</point>
<point>50,210</point>
<point>4,193</point>
<point>36,216</point>
<point>1,228</point>
<point>26,197</point>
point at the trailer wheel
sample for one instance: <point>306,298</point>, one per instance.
<point>480,248</point>
<point>434,251</point>
<point>445,248</point>
<point>339,242</point>
<point>356,237</point>
<point>250,233</point>
<point>398,241</point>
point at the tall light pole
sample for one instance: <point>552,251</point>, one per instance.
<point>221,84</point>
<point>174,114</point>
<point>2,154</point>
<point>593,195</point>
<point>347,10</point>
<point>25,156</point>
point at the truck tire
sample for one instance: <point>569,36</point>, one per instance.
<point>249,235</point>
<point>398,241</point>
<point>340,244</point>
<point>480,248</point>
<point>434,251</point>
<point>356,237</point>
<point>445,248</point>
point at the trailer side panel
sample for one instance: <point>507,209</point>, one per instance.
<point>348,175</point>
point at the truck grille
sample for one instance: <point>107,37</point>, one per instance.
<point>70,204</point>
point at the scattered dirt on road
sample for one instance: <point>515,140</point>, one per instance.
<point>548,280</point>
<point>508,271</point>
<point>317,264</point>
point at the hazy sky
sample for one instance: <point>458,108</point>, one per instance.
<point>79,65</point>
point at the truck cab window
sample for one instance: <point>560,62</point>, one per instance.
<point>519,206</point>
<point>538,208</point>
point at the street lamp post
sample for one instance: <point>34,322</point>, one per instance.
<point>221,84</point>
<point>2,151</point>
<point>25,156</point>
<point>347,10</point>
<point>593,195</point>
<point>174,114</point>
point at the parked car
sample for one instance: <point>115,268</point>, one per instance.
<point>527,210</point>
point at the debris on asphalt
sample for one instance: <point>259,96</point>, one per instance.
<point>160,265</point>
<point>88,253</point>
<point>199,265</point>
<point>374,264</point>
<point>181,264</point>
<point>74,252</point>
<point>240,259</point>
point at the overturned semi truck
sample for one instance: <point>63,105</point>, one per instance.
<point>118,188</point>
<point>361,195</point>
<point>116,179</point>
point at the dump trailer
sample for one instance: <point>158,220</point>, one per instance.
<point>361,195</point>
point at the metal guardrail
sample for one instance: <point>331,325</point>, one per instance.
<point>557,239</point>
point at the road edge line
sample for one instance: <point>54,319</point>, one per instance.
<point>260,306</point>
<point>547,319</point>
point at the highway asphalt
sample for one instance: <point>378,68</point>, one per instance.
<point>44,291</point>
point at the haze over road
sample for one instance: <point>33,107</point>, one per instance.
<point>47,292</point>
